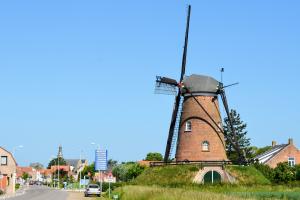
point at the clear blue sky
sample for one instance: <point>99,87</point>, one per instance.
<point>76,72</point>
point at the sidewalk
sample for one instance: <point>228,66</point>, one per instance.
<point>19,192</point>
<point>76,195</point>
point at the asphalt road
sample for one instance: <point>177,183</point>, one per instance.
<point>42,193</point>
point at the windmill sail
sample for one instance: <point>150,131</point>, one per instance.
<point>166,85</point>
<point>172,137</point>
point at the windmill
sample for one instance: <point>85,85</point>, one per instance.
<point>196,126</point>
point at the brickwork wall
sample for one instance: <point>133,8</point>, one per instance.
<point>282,156</point>
<point>203,129</point>
<point>9,170</point>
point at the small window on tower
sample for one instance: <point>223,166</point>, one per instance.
<point>292,162</point>
<point>188,126</point>
<point>205,146</point>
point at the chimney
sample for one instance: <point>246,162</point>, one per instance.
<point>273,143</point>
<point>291,141</point>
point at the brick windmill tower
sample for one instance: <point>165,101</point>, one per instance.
<point>196,126</point>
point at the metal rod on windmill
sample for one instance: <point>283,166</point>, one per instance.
<point>222,71</point>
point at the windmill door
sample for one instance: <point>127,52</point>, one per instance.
<point>212,177</point>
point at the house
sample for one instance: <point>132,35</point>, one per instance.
<point>8,167</point>
<point>280,153</point>
<point>26,170</point>
<point>47,175</point>
<point>76,165</point>
<point>62,168</point>
<point>105,177</point>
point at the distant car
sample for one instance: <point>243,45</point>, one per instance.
<point>92,189</point>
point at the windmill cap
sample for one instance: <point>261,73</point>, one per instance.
<point>203,85</point>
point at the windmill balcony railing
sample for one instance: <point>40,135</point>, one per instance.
<point>200,163</point>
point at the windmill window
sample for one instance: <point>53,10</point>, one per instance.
<point>292,162</point>
<point>188,126</point>
<point>205,146</point>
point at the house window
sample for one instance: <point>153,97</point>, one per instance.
<point>292,162</point>
<point>3,160</point>
<point>188,126</point>
<point>205,146</point>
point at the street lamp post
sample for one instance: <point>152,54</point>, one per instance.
<point>80,170</point>
<point>57,172</point>
<point>53,158</point>
<point>16,148</point>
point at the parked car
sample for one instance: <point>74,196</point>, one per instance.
<point>92,189</point>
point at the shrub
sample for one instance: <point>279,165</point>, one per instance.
<point>297,168</point>
<point>127,171</point>
<point>267,171</point>
<point>284,173</point>
<point>17,186</point>
<point>113,186</point>
<point>134,171</point>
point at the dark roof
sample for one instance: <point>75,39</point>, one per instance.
<point>270,153</point>
<point>201,84</point>
<point>74,162</point>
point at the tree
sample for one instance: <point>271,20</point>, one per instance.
<point>111,164</point>
<point>154,157</point>
<point>25,176</point>
<point>36,165</point>
<point>241,136</point>
<point>255,151</point>
<point>54,162</point>
<point>89,170</point>
<point>63,175</point>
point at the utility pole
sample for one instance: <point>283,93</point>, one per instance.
<point>58,172</point>
<point>80,170</point>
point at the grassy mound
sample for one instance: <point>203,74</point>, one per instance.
<point>183,175</point>
<point>173,176</point>
<point>247,175</point>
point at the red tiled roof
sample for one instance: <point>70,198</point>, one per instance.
<point>65,168</point>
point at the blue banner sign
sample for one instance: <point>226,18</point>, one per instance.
<point>100,160</point>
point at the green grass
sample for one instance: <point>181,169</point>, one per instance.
<point>247,175</point>
<point>269,195</point>
<point>172,176</point>
<point>219,192</point>
<point>162,193</point>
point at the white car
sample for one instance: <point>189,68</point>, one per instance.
<point>92,189</point>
